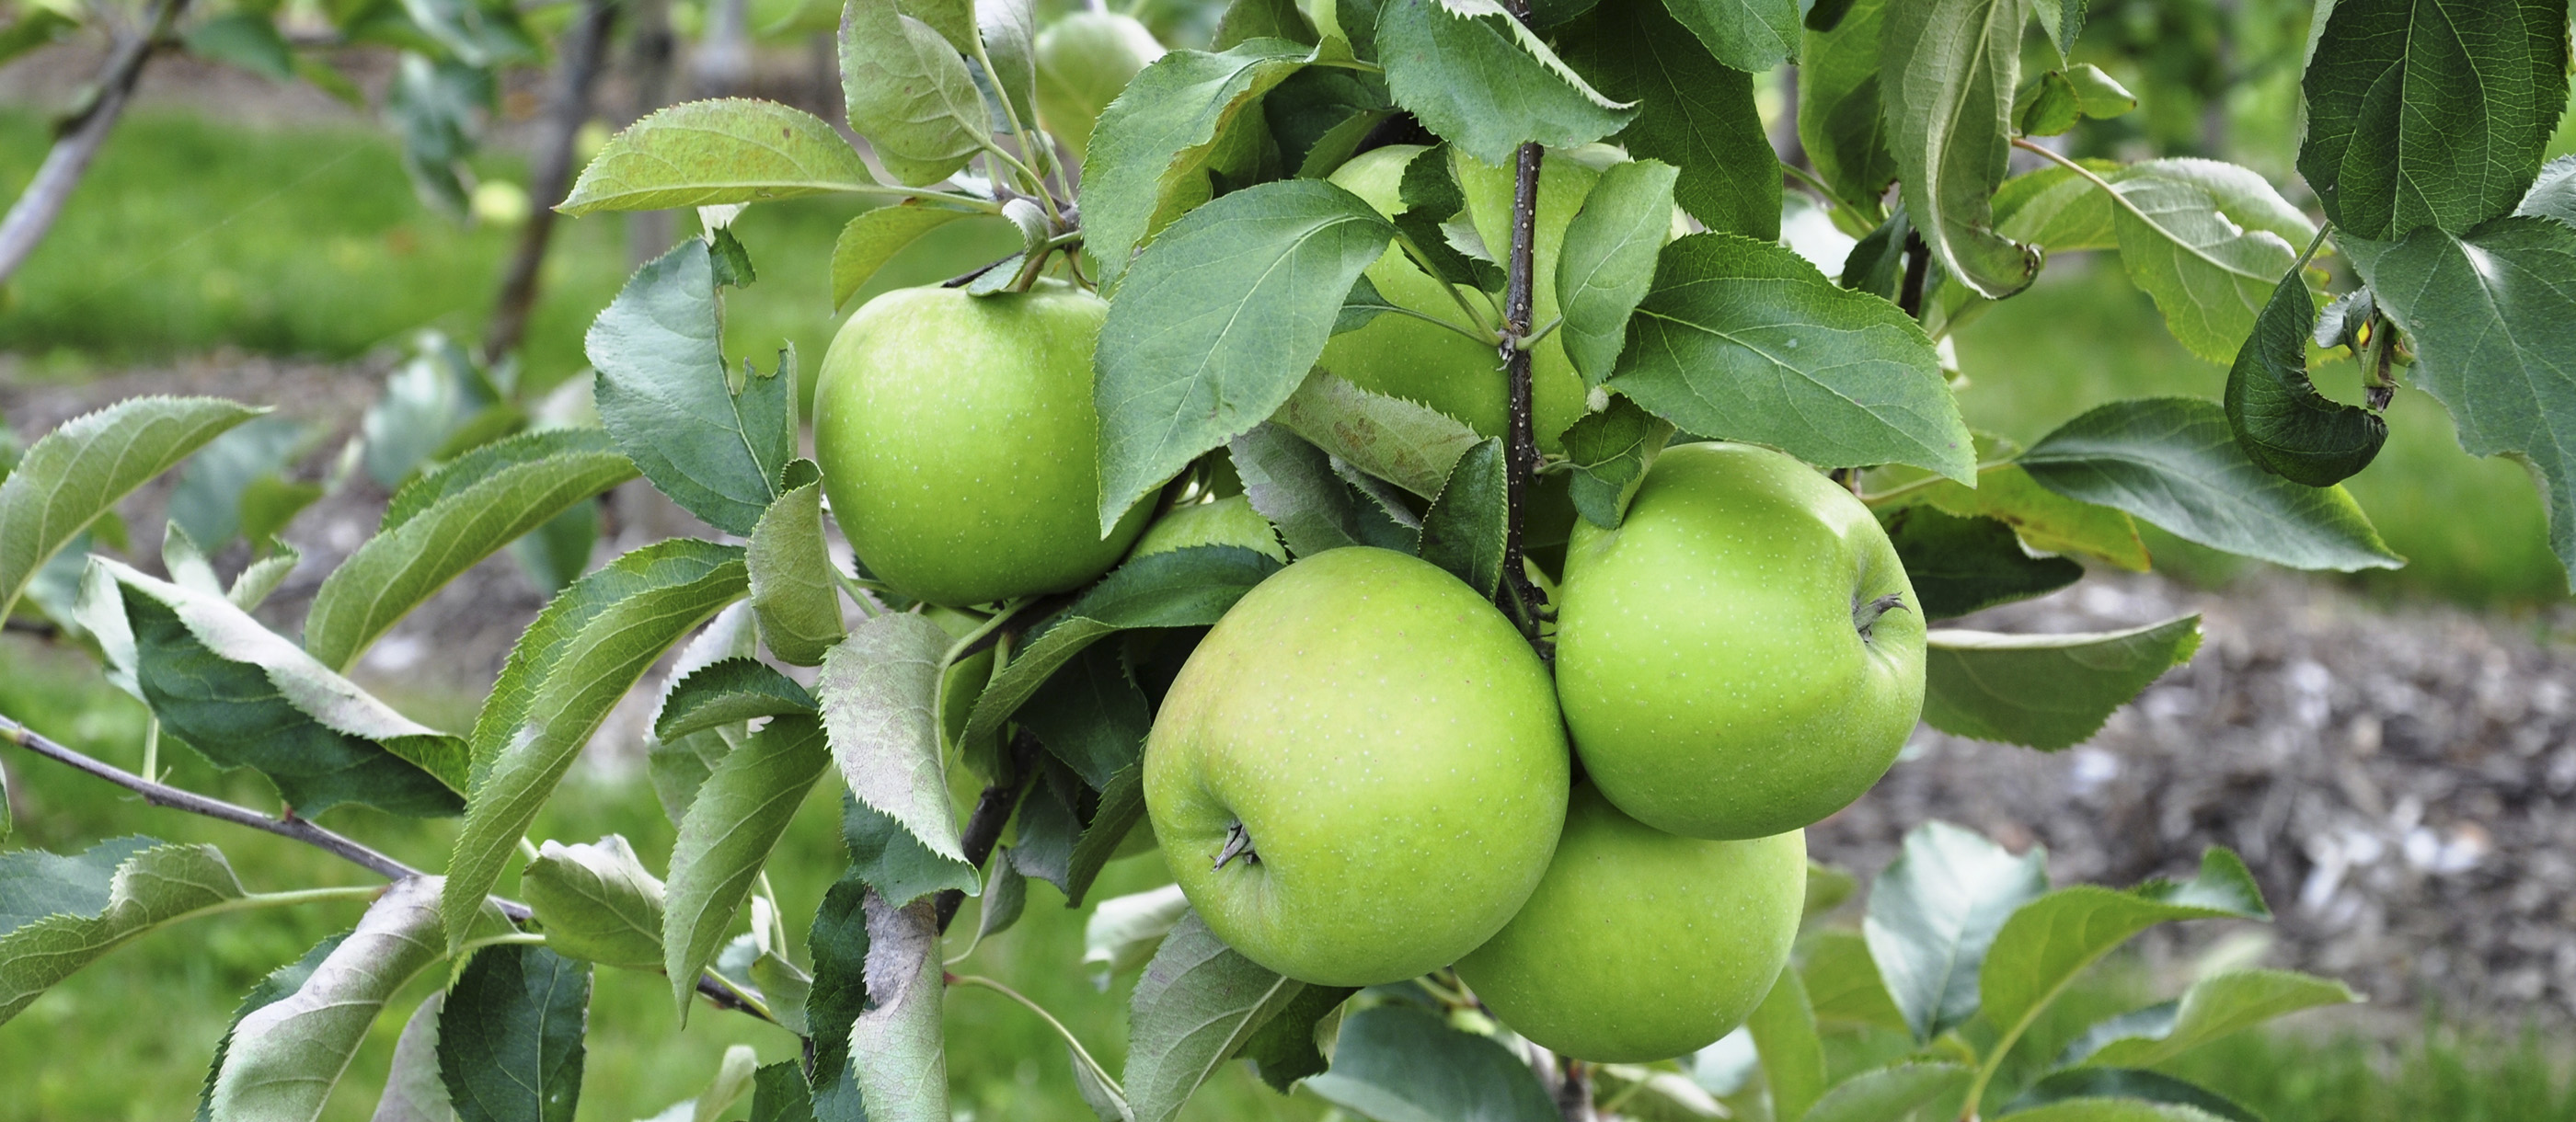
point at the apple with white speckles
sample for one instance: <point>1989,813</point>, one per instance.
<point>1359,775</point>
<point>1744,654</point>
<point>959,445</point>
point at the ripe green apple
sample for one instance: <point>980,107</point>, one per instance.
<point>1641,945</point>
<point>1359,774</point>
<point>1227,521</point>
<point>1404,357</point>
<point>959,446</point>
<point>1744,655</point>
<point>1083,61</point>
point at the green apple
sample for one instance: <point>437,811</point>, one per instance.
<point>1227,521</point>
<point>959,446</point>
<point>1404,357</point>
<point>1640,945</point>
<point>1083,61</point>
<point>1359,774</point>
<point>1743,655</point>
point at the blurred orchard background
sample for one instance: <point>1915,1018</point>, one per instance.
<point>323,223</point>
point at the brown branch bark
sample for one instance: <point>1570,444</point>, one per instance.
<point>992,811</point>
<point>42,202</point>
<point>585,44</point>
<point>1520,595</point>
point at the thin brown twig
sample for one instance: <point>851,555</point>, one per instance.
<point>42,200</point>
<point>984,826</point>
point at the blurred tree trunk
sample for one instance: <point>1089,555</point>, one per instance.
<point>721,66</point>
<point>649,54</point>
<point>577,66</point>
<point>80,138</point>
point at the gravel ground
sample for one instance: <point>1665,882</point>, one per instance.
<point>2401,778</point>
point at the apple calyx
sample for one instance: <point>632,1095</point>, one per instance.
<point>1865,616</point>
<point>1238,843</point>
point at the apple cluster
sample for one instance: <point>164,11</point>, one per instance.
<point>1364,772</point>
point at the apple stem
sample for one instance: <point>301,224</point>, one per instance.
<point>1865,616</point>
<point>1238,843</point>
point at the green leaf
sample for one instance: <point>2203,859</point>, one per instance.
<point>557,553</point>
<point>896,1046</point>
<point>1608,261</point>
<point>1124,932</point>
<point>1464,531</point>
<point>2554,195</point>
<point>2172,461</point>
<point>1412,446</point>
<point>663,394</point>
<point>211,491</point>
<point>2213,1007</point>
<point>2059,210</point>
<point>1196,1006</point>
<point>1691,113</point>
<point>1284,1050</point>
<point>1292,483</point>
<point>779,1094</point>
<point>729,691</point>
<point>1793,1056</point>
<point>1840,124</point>
<point>1843,984</point>
<point>414,1092</point>
<point>1743,340</point>
<point>2045,520</point>
<point>1962,565</point>
<point>880,690</point>
<point>1122,808</point>
<point>1610,452</point>
<point>1247,20</point>
<point>1934,912</point>
<point>2493,320</point>
<point>707,153</point>
<point>247,39</point>
<point>1320,115</point>
<point>1008,897</point>
<point>1008,29</point>
<point>1889,1093</point>
<point>567,670</point>
<point>2208,241</point>
<point>78,471</point>
<point>596,902</point>
<point>2045,691</point>
<point>726,837</point>
<point>1188,587</point>
<point>1148,156</point>
<point>838,941</point>
<point>791,579</point>
<point>1481,80</point>
<point>285,1056</point>
<point>1218,324</point>
<point>873,238</point>
<point>1747,35</point>
<point>2430,112</point>
<point>2281,422</point>
<point>446,522</point>
<point>1950,126</point>
<point>908,92</point>
<point>244,696</point>
<point>2047,105</point>
<point>677,767</point>
<point>59,914</point>
<point>2097,94</point>
<point>2110,1094</point>
<point>887,858</point>
<point>510,1035</point>
<point>2041,949</point>
<point>1091,715</point>
<point>1399,1062</point>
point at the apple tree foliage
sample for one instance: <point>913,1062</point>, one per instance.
<point>1200,207</point>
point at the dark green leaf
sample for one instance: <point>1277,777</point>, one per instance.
<point>1793,1056</point>
<point>1839,120</point>
<point>78,471</point>
<point>2099,1083</point>
<point>596,903</point>
<point>779,1094</point>
<point>1148,156</point>
<point>1247,20</point>
<point>1050,826</point>
<point>1197,1005</point>
<point>1950,125</point>
<point>726,837</point>
<point>1691,113</point>
<point>886,857</point>
<point>1962,565</point>
<point>1291,483</point>
<point>1463,531</point>
<point>1091,715</point>
<point>1319,116</point>
<point>2431,112</point>
<point>2213,1007</point>
<point>1744,340</point>
<point>839,943</point>
<point>1610,452</point>
<point>880,690</point>
<point>908,91</point>
<point>1284,1050</point>
<point>510,1035</point>
<point>1431,198</point>
<point>2283,424</point>
<point>1934,912</point>
<point>1398,1062</point>
<point>2172,461</point>
<point>664,396</point>
<point>1218,324</point>
<point>727,691</point>
<point>1480,79</point>
<point>2493,320</point>
<point>1122,808</point>
<point>2062,19</point>
<point>1404,443</point>
<point>1004,900</point>
<point>1747,35</point>
<point>59,914</point>
<point>2045,691</point>
<point>1608,261</point>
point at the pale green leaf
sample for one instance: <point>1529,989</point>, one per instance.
<point>449,520</point>
<point>1889,1093</point>
<point>1793,1056</point>
<point>677,767</point>
<point>1197,1004</point>
<point>414,1092</point>
<point>1934,912</point>
<point>1009,32</point>
<point>59,914</point>
<point>1608,262</point>
<point>873,238</point>
<point>664,396</point>
<point>596,902</point>
<point>1692,113</point>
<point>2554,195</point>
<point>78,471</point>
<point>1124,931</point>
<point>1402,1063</point>
<point>1843,985</point>
<point>2213,1007</point>
<point>2045,691</point>
<point>880,689</point>
<point>2046,521</point>
<point>277,986</point>
<point>210,498</point>
<point>1412,446</point>
<point>791,579</point>
<point>728,691</point>
<point>709,153</point>
<point>737,818</point>
<point>2120,1092</point>
<point>568,669</point>
<point>1219,322</point>
<point>2116,1110</point>
<point>1743,340</point>
<point>2208,241</point>
<point>1840,123</point>
<point>908,92</point>
<point>2045,944</point>
<point>1148,155</point>
<point>1292,483</point>
<point>1950,126</point>
<point>2058,209</point>
<point>896,1044</point>
<point>2172,461</point>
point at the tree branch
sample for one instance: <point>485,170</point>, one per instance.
<point>1521,596</point>
<point>585,44</point>
<point>83,135</point>
<point>328,841</point>
<point>1918,269</point>
<point>992,811</point>
<point>1574,1090</point>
